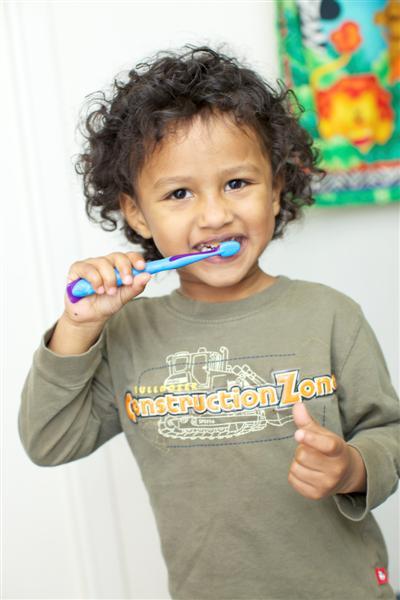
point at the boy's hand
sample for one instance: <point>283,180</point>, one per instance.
<point>109,298</point>
<point>324,464</point>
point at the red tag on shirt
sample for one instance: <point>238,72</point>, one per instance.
<point>381,575</point>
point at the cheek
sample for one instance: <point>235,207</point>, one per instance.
<point>168,230</point>
<point>261,217</point>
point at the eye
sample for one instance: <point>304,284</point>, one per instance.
<point>237,184</point>
<point>179,194</point>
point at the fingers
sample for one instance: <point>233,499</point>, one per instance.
<point>315,484</point>
<point>302,417</point>
<point>125,262</point>
<point>308,457</point>
<point>128,292</point>
<point>313,434</point>
<point>100,271</point>
<point>315,474</point>
<point>320,462</point>
<point>323,441</point>
<point>305,488</point>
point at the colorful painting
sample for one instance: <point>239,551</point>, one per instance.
<point>342,59</point>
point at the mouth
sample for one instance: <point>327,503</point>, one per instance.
<point>214,242</point>
<point>223,260</point>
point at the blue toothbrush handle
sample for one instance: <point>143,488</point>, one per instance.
<point>80,288</point>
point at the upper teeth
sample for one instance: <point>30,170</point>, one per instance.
<point>211,245</point>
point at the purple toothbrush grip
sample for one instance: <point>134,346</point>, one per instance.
<point>70,295</point>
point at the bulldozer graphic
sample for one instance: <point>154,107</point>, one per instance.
<point>210,370</point>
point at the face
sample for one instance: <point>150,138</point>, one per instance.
<point>210,181</point>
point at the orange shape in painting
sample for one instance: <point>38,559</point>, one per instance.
<point>347,37</point>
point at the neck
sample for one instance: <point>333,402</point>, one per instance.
<point>253,283</point>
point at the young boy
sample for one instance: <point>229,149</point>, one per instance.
<point>259,408</point>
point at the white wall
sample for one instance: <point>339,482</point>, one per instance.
<point>85,530</point>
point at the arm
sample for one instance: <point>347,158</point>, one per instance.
<point>69,338</point>
<point>67,405</point>
<point>357,477</point>
<point>370,415</point>
<point>68,409</point>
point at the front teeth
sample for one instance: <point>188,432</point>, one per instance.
<point>212,245</point>
<point>209,246</point>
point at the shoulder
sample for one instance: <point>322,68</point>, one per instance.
<point>318,292</point>
<point>325,313</point>
<point>323,298</point>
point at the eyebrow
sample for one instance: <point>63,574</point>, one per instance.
<point>180,179</point>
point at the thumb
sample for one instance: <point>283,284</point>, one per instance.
<point>302,417</point>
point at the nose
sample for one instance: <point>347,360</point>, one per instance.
<point>214,211</point>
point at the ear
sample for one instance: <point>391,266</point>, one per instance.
<point>134,216</point>
<point>276,197</point>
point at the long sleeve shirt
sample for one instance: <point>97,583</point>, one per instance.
<point>204,393</point>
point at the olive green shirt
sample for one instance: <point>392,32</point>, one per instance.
<point>203,393</point>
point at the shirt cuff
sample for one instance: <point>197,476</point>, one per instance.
<point>355,506</point>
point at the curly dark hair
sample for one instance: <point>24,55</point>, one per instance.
<point>172,88</point>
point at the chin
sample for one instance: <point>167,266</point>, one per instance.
<point>219,281</point>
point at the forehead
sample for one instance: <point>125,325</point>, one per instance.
<point>211,138</point>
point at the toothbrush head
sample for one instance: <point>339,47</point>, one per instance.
<point>229,248</point>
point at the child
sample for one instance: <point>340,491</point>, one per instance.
<point>259,408</point>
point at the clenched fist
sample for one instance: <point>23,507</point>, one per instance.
<point>324,464</point>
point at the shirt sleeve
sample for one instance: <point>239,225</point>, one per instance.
<point>370,414</point>
<point>67,404</point>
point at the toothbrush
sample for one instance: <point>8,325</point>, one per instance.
<point>80,288</point>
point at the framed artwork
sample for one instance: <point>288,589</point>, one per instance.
<point>342,59</point>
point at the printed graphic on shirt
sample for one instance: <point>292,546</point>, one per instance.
<point>224,400</point>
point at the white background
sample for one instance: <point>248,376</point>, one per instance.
<point>85,530</point>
